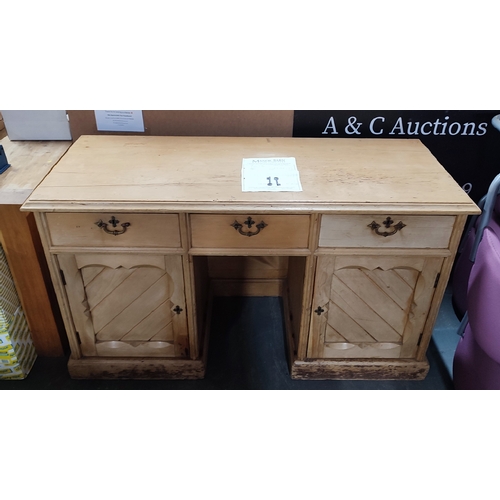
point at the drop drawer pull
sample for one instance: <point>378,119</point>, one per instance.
<point>114,222</point>
<point>249,223</point>
<point>387,223</point>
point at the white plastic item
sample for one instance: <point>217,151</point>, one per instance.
<point>37,125</point>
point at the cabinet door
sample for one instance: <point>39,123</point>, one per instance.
<point>370,307</point>
<point>127,305</point>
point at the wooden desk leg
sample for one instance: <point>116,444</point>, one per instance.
<point>24,251</point>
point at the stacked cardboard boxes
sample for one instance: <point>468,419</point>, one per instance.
<point>17,353</point>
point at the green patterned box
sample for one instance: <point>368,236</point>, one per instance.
<point>17,353</point>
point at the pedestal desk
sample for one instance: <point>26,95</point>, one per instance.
<point>141,232</point>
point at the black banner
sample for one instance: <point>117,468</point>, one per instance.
<point>464,142</point>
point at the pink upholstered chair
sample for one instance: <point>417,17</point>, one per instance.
<point>476,364</point>
<point>463,264</point>
<point>490,206</point>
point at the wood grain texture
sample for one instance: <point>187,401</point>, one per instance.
<point>244,123</point>
<point>30,162</point>
<point>249,267</point>
<point>359,369</point>
<point>22,246</point>
<point>204,174</point>
<point>295,298</point>
<point>127,309</point>
<point>248,288</point>
<point>75,292</point>
<point>281,231</point>
<point>59,287</point>
<point>152,231</point>
<point>371,307</point>
<point>378,301</point>
<point>195,327</point>
<point>354,231</point>
<point>116,368</point>
<point>3,132</point>
<point>198,290</point>
<point>441,287</point>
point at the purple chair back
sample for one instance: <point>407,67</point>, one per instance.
<point>483,294</point>
<point>476,364</point>
<point>473,369</point>
<point>490,206</point>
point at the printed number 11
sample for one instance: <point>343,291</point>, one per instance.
<point>270,183</point>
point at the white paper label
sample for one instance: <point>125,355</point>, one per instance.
<point>270,174</point>
<point>119,121</point>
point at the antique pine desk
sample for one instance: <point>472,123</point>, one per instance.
<point>141,232</point>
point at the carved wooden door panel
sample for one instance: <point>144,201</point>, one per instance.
<point>127,305</point>
<point>370,307</point>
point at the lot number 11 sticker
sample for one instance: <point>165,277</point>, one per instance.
<point>270,174</point>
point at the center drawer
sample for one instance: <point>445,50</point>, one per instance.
<point>116,230</point>
<point>250,231</point>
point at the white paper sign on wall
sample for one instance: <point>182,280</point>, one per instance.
<point>119,121</point>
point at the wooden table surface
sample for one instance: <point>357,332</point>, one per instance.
<point>204,174</point>
<point>30,162</point>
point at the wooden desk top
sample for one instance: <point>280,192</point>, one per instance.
<point>203,174</point>
<point>30,161</point>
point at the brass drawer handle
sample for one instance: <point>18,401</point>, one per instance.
<point>249,223</point>
<point>387,223</point>
<point>114,222</point>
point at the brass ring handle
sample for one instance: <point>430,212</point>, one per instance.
<point>249,223</point>
<point>387,223</point>
<point>114,222</point>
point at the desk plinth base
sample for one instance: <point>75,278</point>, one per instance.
<point>137,369</point>
<point>359,369</point>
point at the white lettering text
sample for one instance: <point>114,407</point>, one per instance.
<point>331,125</point>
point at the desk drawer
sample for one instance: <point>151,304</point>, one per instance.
<point>143,230</point>
<point>394,231</point>
<point>250,231</point>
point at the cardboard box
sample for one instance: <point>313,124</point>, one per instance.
<point>17,352</point>
<point>37,125</point>
<point>230,123</point>
<point>3,132</point>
